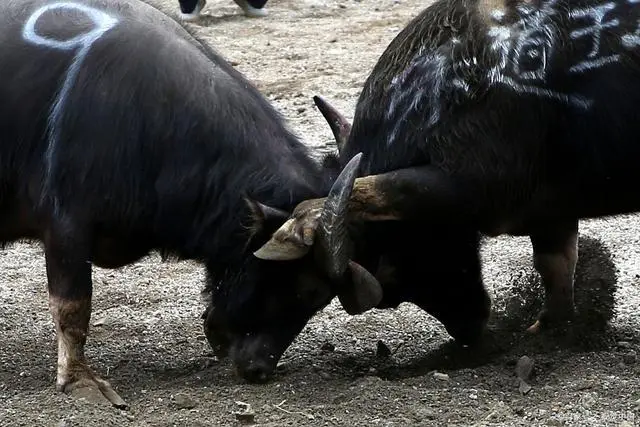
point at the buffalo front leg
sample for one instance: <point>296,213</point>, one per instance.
<point>555,255</point>
<point>70,289</point>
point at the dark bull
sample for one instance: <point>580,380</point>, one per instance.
<point>485,116</point>
<point>123,133</point>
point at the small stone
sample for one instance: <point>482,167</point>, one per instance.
<point>183,401</point>
<point>519,411</point>
<point>420,414</point>
<point>441,376</point>
<point>100,321</point>
<point>382,350</point>
<point>584,385</point>
<point>325,375</point>
<point>623,344</point>
<point>625,424</point>
<point>524,367</point>
<point>524,388</point>
<point>301,109</point>
<point>63,423</point>
<point>630,357</point>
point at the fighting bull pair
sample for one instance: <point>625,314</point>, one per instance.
<point>479,117</point>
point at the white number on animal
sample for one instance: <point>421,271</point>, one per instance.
<point>82,42</point>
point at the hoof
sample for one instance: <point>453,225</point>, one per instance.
<point>251,11</point>
<point>95,390</point>
<point>195,13</point>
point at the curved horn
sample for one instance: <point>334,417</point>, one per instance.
<point>332,242</point>
<point>339,125</point>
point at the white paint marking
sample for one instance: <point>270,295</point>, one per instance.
<point>596,63</point>
<point>524,50</point>
<point>498,15</point>
<point>83,42</point>
<point>632,40</point>
<point>597,14</point>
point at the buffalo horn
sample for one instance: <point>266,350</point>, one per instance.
<point>339,125</point>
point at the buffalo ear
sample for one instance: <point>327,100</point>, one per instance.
<point>264,217</point>
<point>361,291</point>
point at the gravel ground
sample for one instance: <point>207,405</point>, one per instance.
<point>147,339</point>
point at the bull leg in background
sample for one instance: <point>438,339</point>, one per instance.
<point>555,255</point>
<point>70,289</point>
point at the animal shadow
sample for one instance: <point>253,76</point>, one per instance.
<point>506,339</point>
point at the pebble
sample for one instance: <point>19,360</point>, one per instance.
<point>630,357</point>
<point>183,401</point>
<point>441,376</point>
<point>424,413</point>
<point>100,321</point>
<point>524,368</point>
<point>523,387</point>
<point>623,344</point>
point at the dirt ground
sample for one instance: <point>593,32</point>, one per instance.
<point>147,340</point>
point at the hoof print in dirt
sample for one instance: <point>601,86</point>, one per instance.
<point>594,292</point>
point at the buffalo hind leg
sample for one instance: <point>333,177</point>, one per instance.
<point>555,255</point>
<point>70,289</point>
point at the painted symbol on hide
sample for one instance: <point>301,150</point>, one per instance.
<point>631,41</point>
<point>524,49</point>
<point>81,43</point>
<point>597,15</point>
<point>421,81</point>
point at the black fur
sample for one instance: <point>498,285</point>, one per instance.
<point>159,143</point>
<point>519,163</point>
<point>515,154</point>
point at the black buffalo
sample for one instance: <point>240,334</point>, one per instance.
<point>121,134</point>
<point>190,9</point>
<point>483,117</point>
